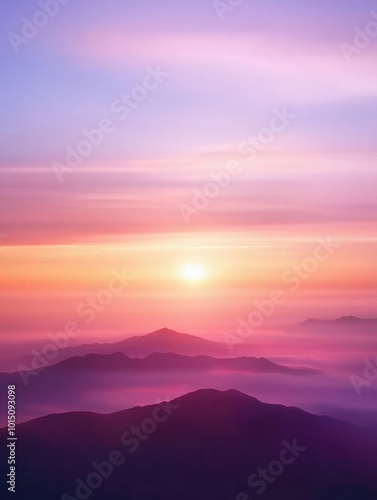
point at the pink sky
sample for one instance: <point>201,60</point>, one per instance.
<point>121,207</point>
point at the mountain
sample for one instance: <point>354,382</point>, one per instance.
<point>163,340</point>
<point>204,445</point>
<point>343,321</point>
<point>169,362</point>
<point>69,384</point>
<point>156,362</point>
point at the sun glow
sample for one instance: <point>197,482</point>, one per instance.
<point>193,272</point>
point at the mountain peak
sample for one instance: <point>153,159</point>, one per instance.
<point>343,319</point>
<point>349,319</point>
<point>165,331</point>
<point>214,396</point>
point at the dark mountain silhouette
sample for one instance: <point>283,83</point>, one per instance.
<point>166,362</point>
<point>68,383</point>
<point>169,362</point>
<point>207,447</point>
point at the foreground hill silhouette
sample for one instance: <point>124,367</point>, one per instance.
<point>206,448</point>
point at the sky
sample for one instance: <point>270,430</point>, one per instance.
<point>233,140</point>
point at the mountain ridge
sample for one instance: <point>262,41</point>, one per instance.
<point>208,446</point>
<point>161,340</point>
<point>169,361</point>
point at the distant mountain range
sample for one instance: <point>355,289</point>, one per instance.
<point>163,340</point>
<point>156,362</point>
<point>343,321</point>
<point>166,340</point>
<point>169,362</point>
<point>204,445</point>
<point>69,383</point>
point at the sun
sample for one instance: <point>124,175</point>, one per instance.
<point>193,272</point>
